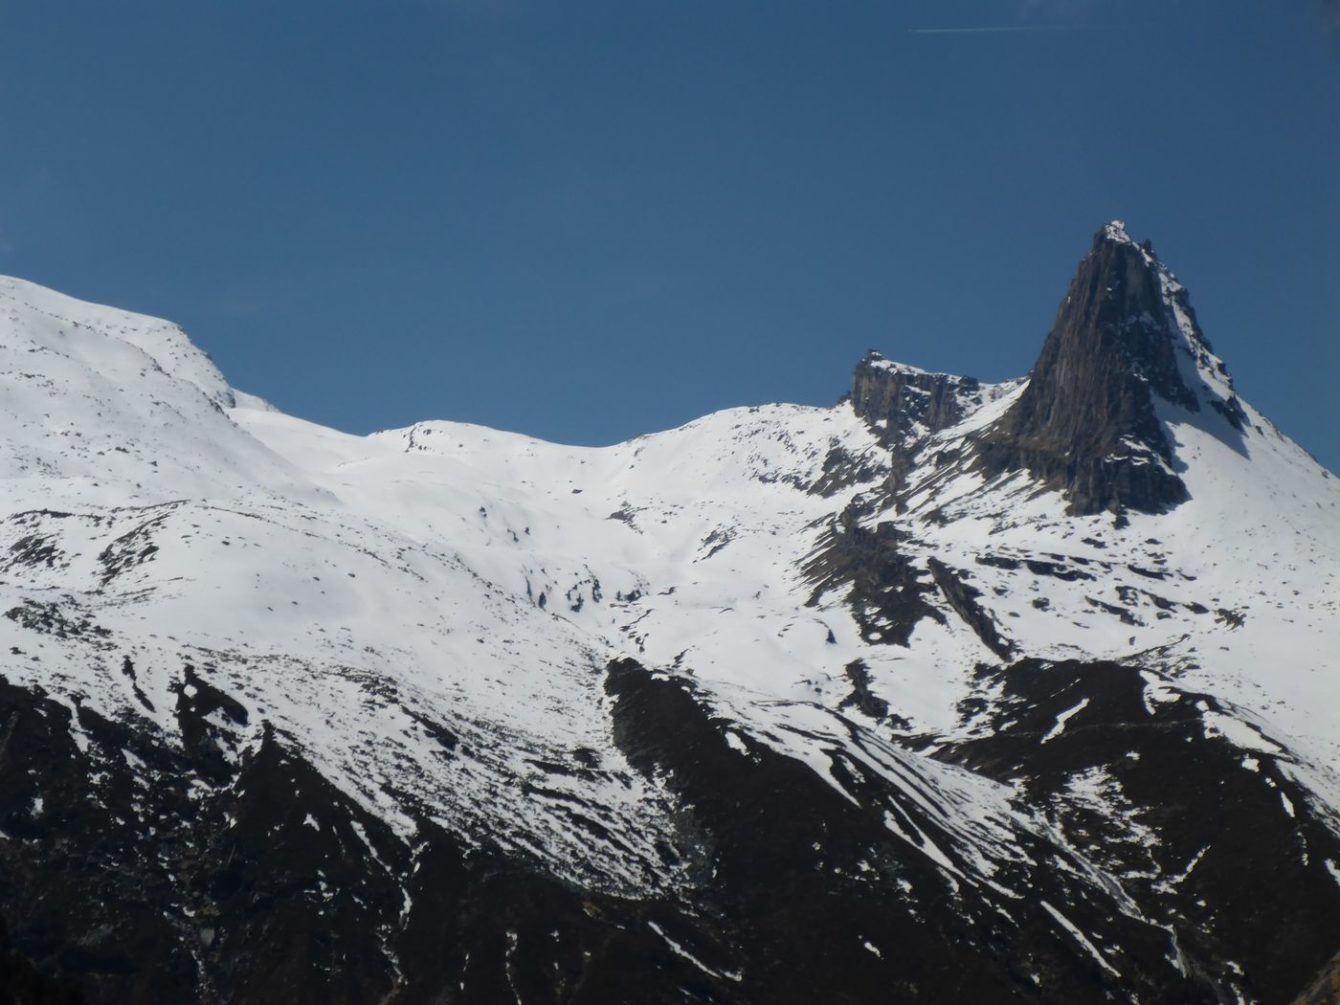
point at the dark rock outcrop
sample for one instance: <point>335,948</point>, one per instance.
<point>819,902</point>
<point>1087,424</point>
<point>904,405</point>
<point>963,599</point>
<point>897,399</point>
<point>887,593</point>
<point>134,871</point>
<point>862,698</point>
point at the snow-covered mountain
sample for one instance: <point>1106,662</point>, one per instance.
<point>1016,692</point>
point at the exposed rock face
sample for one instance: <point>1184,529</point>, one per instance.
<point>902,400</point>
<point>270,886</point>
<point>905,405</point>
<point>962,599</point>
<point>1125,338</point>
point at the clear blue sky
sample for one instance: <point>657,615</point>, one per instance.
<point>594,218</point>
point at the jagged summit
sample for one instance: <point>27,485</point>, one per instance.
<point>1116,231</point>
<point>1124,354</point>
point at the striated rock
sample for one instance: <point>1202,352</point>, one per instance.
<point>133,872</point>
<point>816,899</point>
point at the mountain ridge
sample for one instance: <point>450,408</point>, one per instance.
<point>569,678</point>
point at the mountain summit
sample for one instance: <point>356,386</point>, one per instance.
<point>1124,351</point>
<point>957,691</point>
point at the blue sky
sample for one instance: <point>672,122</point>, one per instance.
<point>591,219</point>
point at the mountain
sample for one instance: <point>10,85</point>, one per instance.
<point>1019,692</point>
<point>1125,345</point>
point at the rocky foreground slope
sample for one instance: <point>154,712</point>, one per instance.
<point>955,691</point>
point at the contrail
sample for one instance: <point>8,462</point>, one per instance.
<point>994,28</point>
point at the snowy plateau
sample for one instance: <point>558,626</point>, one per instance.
<point>1024,692</point>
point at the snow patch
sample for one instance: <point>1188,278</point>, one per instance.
<point>1237,732</point>
<point>1079,937</point>
<point>680,951</point>
<point>1063,718</point>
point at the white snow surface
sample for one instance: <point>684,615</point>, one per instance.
<point>342,587</point>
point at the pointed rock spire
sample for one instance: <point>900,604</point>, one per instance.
<point>1124,352</point>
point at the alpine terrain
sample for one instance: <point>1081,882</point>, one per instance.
<point>952,692</point>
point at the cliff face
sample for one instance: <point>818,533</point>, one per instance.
<point>904,405</point>
<point>1125,343</point>
<point>902,400</point>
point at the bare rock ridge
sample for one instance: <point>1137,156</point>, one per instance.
<point>898,399</point>
<point>905,405</point>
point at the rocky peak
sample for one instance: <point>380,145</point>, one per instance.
<point>1125,349</point>
<point>1126,311</point>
